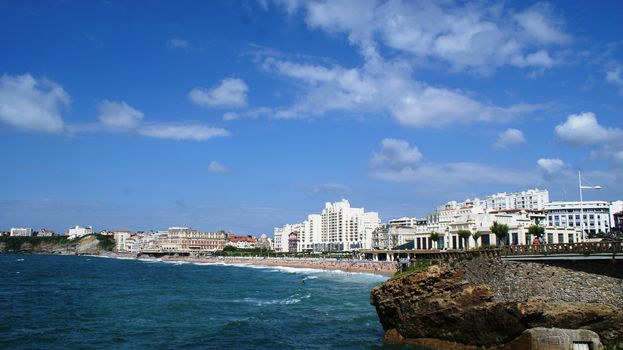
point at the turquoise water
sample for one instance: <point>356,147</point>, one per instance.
<point>54,302</point>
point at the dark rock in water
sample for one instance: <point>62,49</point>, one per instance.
<point>445,307</point>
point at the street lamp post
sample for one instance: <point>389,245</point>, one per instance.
<point>582,203</point>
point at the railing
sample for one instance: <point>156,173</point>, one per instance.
<point>562,248</point>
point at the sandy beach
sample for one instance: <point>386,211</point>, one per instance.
<point>346,265</point>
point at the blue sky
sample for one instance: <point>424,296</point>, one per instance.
<point>247,115</point>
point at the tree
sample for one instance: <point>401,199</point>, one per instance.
<point>434,237</point>
<point>464,234</point>
<point>476,236</point>
<point>500,231</point>
<point>536,231</point>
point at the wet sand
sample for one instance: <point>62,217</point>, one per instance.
<point>347,265</point>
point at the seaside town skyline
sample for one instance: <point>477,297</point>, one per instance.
<point>341,227</point>
<point>246,116</point>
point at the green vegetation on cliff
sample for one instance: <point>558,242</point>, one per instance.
<point>15,244</point>
<point>105,242</point>
<point>52,244</point>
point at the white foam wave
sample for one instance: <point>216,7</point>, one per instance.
<point>293,299</point>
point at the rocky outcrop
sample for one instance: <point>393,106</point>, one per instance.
<point>87,245</point>
<point>490,303</point>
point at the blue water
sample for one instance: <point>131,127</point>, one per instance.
<point>54,302</point>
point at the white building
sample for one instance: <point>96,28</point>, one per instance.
<point>79,231</point>
<point>264,242</point>
<point>338,228</point>
<point>345,228</point>
<point>120,239</point>
<point>21,231</point>
<point>311,233</point>
<point>46,232</point>
<point>533,199</point>
<point>615,207</point>
<point>567,214</point>
<point>281,234</point>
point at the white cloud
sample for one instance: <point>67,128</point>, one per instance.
<point>396,155</point>
<point>381,86</point>
<point>330,189</point>
<point>614,76</point>
<point>28,103</point>
<point>583,129</point>
<point>474,35</point>
<point>230,92</point>
<point>182,132</point>
<point>179,43</point>
<point>539,22</point>
<point>216,167</point>
<point>398,161</point>
<point>230,116</point>
<point>435,107</point>
<point>508,138</point>
<point>551,166</point>
<point>118,115</point>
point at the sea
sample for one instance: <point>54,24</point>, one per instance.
<point>88,302</point>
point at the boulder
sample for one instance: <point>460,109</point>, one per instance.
<point>441,305</point>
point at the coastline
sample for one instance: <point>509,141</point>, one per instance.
<point>386,269</point>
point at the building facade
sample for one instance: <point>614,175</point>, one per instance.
<point>21,231</point>
<point>567,214</point>
<point>79,231</point>
<point>185,239</point>
<point>345,228</point>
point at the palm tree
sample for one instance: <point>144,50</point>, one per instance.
<point>435,238</point>
<point>464,234</point>
<point>476,236</point>
<point>500,231</point>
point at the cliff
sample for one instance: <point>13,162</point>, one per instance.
<point>87,245</point>
<point>489,303</point>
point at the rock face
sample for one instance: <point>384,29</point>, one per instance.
<point>87,245</point>
<point>490,303</point>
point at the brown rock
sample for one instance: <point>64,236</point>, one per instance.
<point>442,304</point>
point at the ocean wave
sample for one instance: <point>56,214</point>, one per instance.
<point>292,299</point>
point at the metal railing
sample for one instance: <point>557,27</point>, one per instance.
<point>585,248</point>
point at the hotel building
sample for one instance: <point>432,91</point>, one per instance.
<point>21,231</point>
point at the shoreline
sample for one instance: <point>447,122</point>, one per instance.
<point>386,269</point>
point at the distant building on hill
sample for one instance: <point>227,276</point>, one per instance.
<point>79,231</point>
<point>46,232</point>
<point>21,231</point>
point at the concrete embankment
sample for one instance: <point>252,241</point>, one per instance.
<point>501,305</point>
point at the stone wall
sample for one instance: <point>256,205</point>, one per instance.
<point>599,282</point>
